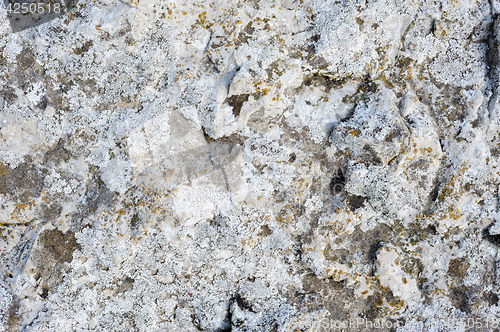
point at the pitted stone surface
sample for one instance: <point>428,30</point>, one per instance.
<point>251,166</point>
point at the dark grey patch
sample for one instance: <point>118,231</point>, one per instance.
<point>432,229</point>
<point>298,209</point>
<point>330,294</point>
<point>459,298</point>
<point>3,61</point>
<point>435,191</point>
<point>8,94</point>
<point>367,242</point>
<point>491,238</point>
<point>25,177</point>
<point>372,311</point>
<point>243,303</point>
<point>491,298</point>
<point>45,292</point>
<point>59,245</point>
<point>219,221</point>
<point>395,133</point>
<point>20,21</point>
<point>135,220</point>
<point>245,34</point>
<point>438,183</point>
<point>421,164</point>
<point>96,196</point>
<point>338,182</point>
<point>337,255</point>
<point>370,157</point>
<point>56,154</point>
<point>43,103</point>
<point>50,212</point>
<point>355,202</point>
<point>27,71</point>
<point>54,250</point>
<point>318,62</point>
<point>458,267</point>
<point>493,59</point>
<point>84,48</point>
<point>311,48</point>
<point>90,85</point>
<point>374,248</point>
<point>236,102</point>
<point>13,316</point>
<point>456,114</point>
<point>127,285</point>
<point>324,80</point>
<point>25,59</point>
<point>265,231</point>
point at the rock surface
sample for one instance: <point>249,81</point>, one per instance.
<point>251,166</point>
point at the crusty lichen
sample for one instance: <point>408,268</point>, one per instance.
<point>249,166</point>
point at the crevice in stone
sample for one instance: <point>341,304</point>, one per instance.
<point>491,238</point>
<point>338,182</point>
<point>236,102</point>
<point>492,61</point>
<point>438,182</point>
<point>20,253</point>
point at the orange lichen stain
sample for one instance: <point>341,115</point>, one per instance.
<point>21,207</point>
<point>120,212</point>
<point>355,132</point>
<point>454,214</point>
<point>429,149</point>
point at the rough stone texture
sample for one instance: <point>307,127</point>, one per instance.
<point>251,166</point>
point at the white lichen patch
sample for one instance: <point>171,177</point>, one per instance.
<point>250,166</point>
<point>391,275</point>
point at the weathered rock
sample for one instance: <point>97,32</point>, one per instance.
<point>250,166</point>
